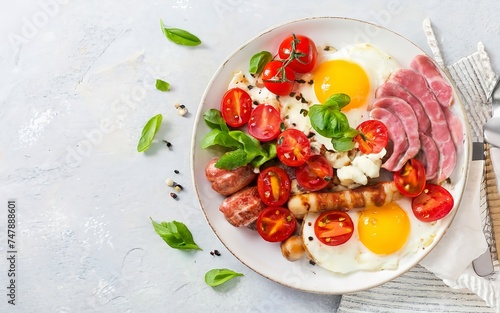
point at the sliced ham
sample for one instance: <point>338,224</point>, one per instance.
<point>455,127</point>
<point>396,136</point>
<point>392,89</point>
<point>424,65</point>
<point>402,110</point>
<point>429,156</point>
<point>417,85</point>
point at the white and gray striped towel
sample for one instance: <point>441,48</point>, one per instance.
<point>420,290</point>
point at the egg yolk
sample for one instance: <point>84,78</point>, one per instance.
<point>341,76</point>
<point>384,230</point>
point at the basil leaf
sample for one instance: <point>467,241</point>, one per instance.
<point>148,132</point>
<point>180,36</point>
<point>258,61</point>
<point>232,159</point>
<point>270,149</point>
<point>343,144</point>
<point>162,85</point>
<point>324,120</point>
<point>221,138</point>
<point>216,277</point>
<point>339,99</point>
<point>214,119</point>
<point>176,235</point>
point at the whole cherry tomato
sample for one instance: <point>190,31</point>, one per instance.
<point>301,51</point>
<point>278,78</point>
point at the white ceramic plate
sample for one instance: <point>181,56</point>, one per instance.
<point>246,245</point>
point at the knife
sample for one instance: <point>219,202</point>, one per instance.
<point>483,264</point>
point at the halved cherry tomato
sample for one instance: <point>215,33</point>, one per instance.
<point>373,136</point>
<point>278,78</point>
<point>293,147</point>
<point>434,203</point>
<point>236,106</point>
<point>264,123</point>
<point>315,174</point>
<point>276,224</point>
<point>334,228</point>
<point>303,51</point>
<point>410,179</point>
<point>273,185</point>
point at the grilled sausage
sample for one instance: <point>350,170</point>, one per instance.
<point>243,207</point>
<point>227,182</point>
<point>373,195</point>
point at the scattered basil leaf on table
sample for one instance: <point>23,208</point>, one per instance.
<point>216,277</point>
<point>176,235</point>
<point>328,120</point>
<point>162,85</point>
<point>148,132</point>
<point>242,148</point>
<point>258,61</point>
<point>180,36</point>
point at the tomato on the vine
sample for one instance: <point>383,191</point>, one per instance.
<point>373,136</point>
<point>264,123</point>
<point>315,173</point>
<point>410,179</point>
<point>276,224</point>
<point>434,203</point>
<point>278,78</point>
<point>302,52</point>
<point>273,185</point>
<point>334,228</point>
<point>236,106</point>
<point>293,147</point>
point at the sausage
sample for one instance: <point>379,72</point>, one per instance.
<point>293,248</point>
<point>227,182</point>
<point>243,207</point>
<point>374,195</point>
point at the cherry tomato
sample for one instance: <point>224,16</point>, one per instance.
<point>301,50</point>
<point>236,107</point>
<point>434,203</point>
<point>315,174</point>
<point>373,136</point>
<point>410,179</point>
<point>264,123</point>
<point>293,147</point>
<point>278,78</point>
<point>276,224</point>
<point>334,228</point>
<point>273,185</point>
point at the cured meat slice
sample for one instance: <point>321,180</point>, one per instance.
<point>417,85</point>
<point>455,127</point>
<point>392,89</point>
<point>429,156</point>
<point>424,65</point>
<point>396,136</point>
<point>404,112</point>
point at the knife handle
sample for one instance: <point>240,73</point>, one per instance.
<point>492,197</point>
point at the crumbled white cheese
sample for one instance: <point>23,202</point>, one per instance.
<point>338,159</point>
<point>363,166</point>
<point>350,176</point>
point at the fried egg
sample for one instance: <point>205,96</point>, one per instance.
<point>382,236</point>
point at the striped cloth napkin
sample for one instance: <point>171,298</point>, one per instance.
<point>438,284</point>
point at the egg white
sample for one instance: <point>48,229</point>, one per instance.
<point>354,256</point>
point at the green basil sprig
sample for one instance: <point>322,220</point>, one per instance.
<point>148,132</point>
<point>242,148</point>
<point>328,121</point>
<point>176,235</point>
<point>258,61</point>
<point>162,85</point>
<point>180,36</point>
<point>216,276</point>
